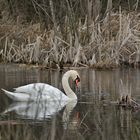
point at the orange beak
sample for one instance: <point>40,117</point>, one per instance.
<point>77,81</point>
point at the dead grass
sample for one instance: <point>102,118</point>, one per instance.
<point>108,43</point>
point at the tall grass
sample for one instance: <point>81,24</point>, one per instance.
<point>73,34</point>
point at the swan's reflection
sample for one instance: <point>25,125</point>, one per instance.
<point>66,114</point>
<point>41,110</point>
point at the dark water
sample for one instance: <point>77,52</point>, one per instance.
<point>91,118</point>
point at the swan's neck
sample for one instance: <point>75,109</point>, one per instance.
<point>69,92</point>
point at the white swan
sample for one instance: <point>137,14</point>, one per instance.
<point>41,91</point>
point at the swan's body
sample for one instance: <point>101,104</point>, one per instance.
<point>36,91</point>
<point>41,91</point>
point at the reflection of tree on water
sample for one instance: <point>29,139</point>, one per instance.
<point>46,119</point>
<point>125,122</point>
<point>94,122</point>
<point>107,122</point>
<point>71,123</point>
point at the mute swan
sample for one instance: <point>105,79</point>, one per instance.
<point>41,91</point>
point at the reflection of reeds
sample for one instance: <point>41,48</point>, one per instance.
<point>108,122</point>
<point>49,128</point>
<point>125,93</point>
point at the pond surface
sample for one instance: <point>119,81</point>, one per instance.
<point>92,117</point>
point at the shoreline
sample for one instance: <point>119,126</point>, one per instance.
<point>68,66</point>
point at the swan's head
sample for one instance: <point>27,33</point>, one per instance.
<point>75,76</point>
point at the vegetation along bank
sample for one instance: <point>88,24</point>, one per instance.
<point>101,34</point>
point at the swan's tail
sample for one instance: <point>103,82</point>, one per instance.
<point>17,96</point>
<point>9,94</point>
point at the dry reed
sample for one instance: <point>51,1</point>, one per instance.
<point>111,42</point>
